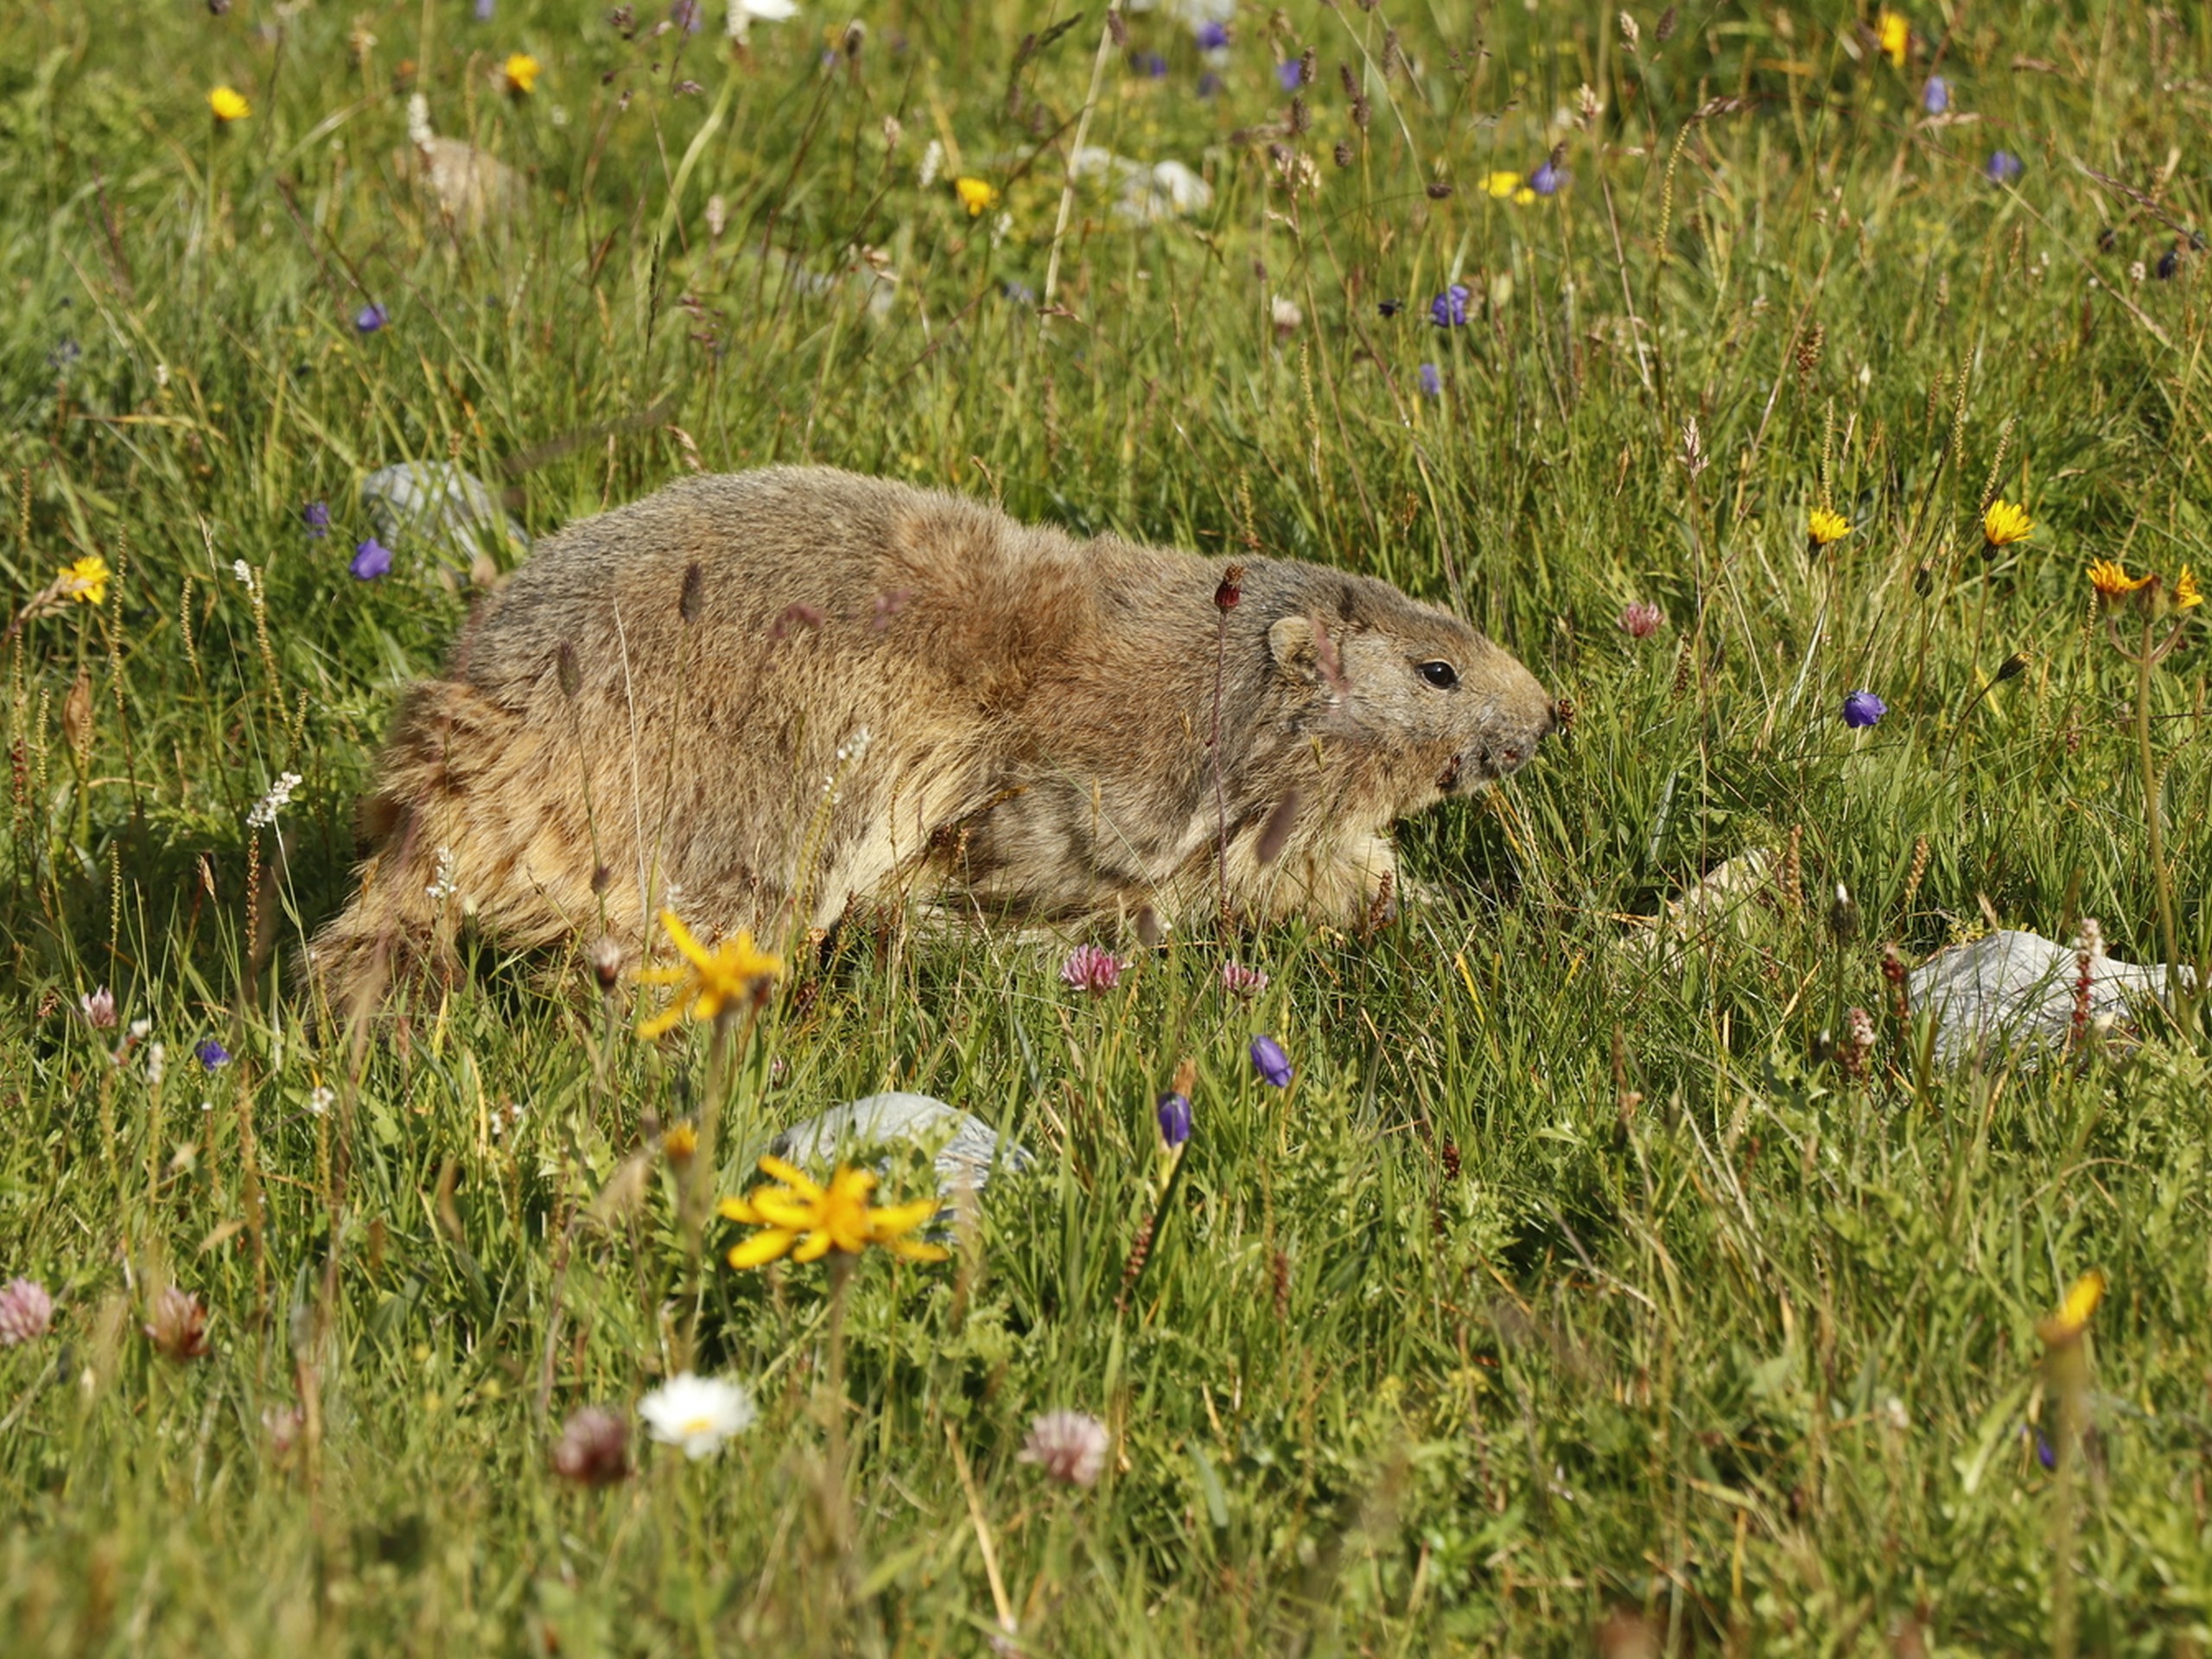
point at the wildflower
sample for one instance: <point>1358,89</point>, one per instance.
<point>179,1326</point>
<point>1175,1115</point>
<point>86,580</point>
<point>1896,36</point>
<point>1272,1063</point>
<point>1090,968</point>
<point>680,1144</point>
<point>1640,619</point>
<point>1449,308</point>
<point>2186,596</point>
<point>1286,316</point>
<point>743,13</point>
<point>228,105</point>
<point>1935,96</point>
<point>1547,178</point>
<point>520,72</point>
<point>932,159</point>
<point>242,572</point>
<point>1239,981</point>
<point>157,1063</point>
<point>2112,582</point>
<point>978,196</point>
<point>1430,381</point>
<point>371,559</point>
<point>2005,523</point>
<point>1069,1446</point>
<point>283,1425</point>
<point>370,318</point>
<point>99,1008</point>
<point>1825,527</point>
<point>736,972</point>
<point>211,1054</point>
<point>2046,1453</point>
<point>606,959</point>
<point>320,1100</point>
<point>442,886</point>
<point>2002,166</point>
<point>26,1312</point>
<point>806,1221</point>
<point>1212,37</point>
<point>264,811</point>
<point>1019,293</point>
<point>1289,76</point>
<point>684,14</point>
<point>1863,709</point>
<point>697,1413</point>
<point>593,1449</point>
<point>2072,1319</point>
<point>484,10</point>
<point>1509,187</point>
<point>316,517</point>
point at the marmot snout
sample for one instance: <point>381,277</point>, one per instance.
<point>756,697</point>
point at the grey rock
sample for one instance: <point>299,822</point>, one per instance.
<point>437,507</point>
<point>2016,989</point>
<point>965,1151</point>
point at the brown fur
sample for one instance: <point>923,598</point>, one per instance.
<point>788,689</point>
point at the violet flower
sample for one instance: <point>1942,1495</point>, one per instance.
<point>1272,1063</point>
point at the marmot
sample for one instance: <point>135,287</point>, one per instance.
<point>756,697</point>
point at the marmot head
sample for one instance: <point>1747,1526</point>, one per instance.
<point>1439,709</point>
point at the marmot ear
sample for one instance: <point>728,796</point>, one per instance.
<point>1290,642</point>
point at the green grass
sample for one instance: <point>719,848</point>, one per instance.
<point>1571,1285</point>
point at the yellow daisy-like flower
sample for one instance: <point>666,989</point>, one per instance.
<point>1825,527</point>
<point>2113,581</point>
<point>229,105</point>
<point>521,72</point>
<point>2186,596</point>
<point>735,972</point>
<point>2073,1315</point>
<point>1896,35</point>
<point>976,195</point>
<point>2005,523</point>
<point>86,580</point>
<point>1509,187</point>
<point>680,1143</point>
<point>806,1221</point>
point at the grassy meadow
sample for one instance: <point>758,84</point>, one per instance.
<point>1595,1286</point>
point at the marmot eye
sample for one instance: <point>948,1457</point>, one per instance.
<point>1442,676</point>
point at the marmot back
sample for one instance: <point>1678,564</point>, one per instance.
<point>756,697</point>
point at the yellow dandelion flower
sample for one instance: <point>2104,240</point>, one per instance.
<point>1509,187</point>
<point>736,973</point>
<point>1825,527</point>
<point>86,580</point>
<point>680,1143</point>
<point>2112,580</point>
<point>1896,35</point>
<point>978,196</point>
<point>2073,1315</point>
<point>805,1220</point>
<point>229,105</point>
<point>2005,523</point>
<point>520,72</point>
<point>2186,596</point>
